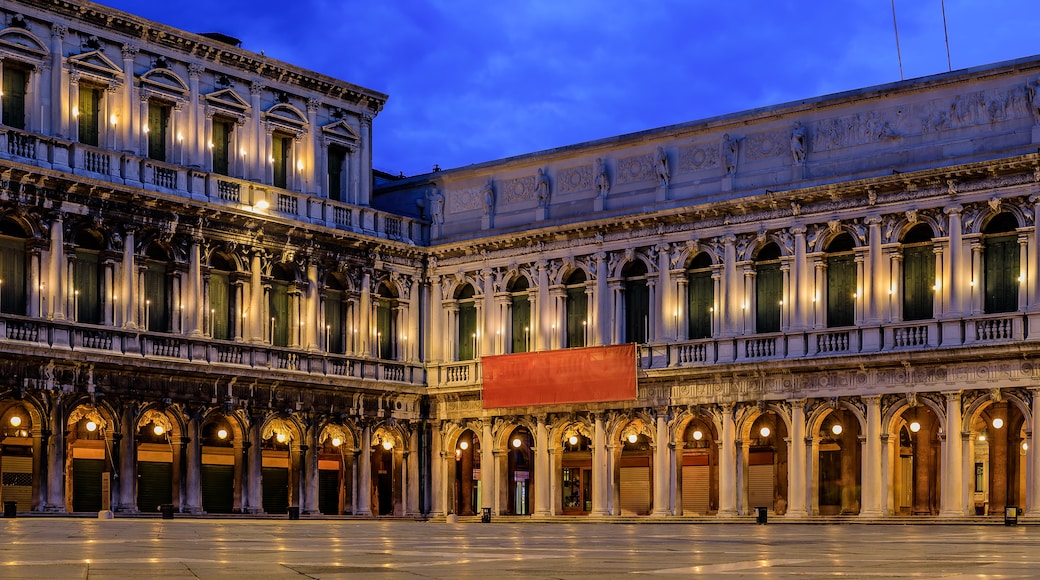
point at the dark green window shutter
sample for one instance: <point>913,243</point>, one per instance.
<point>1001,273</point>
<point>89,105</point>
<point>280,147</point>
<point>334,321</point>
<point>220,305</point>
<point>521,320</point>
<point>87,287</point>
<point>841,286</point>
<point>279,307</point>
<point>385,329</point>
<point>158,116</point>
<point>13,297</point>
<point>155,291</point>
<point>769,282</point>
<point>467,330</point>
<point>14,97</point>
<point>577,316</point>
<point>336,160</point>
<point>637,311</point>
<point>918,282</point>
<point>221,141</point>
<point>700,302</point>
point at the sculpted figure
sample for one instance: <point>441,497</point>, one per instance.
<point>436,206</point>
<point>1034,99</point>
<point>489,198</point>
<point>661,167</point>
<point>798,143</point>
<point>542,187</point>
<point>729,153</point>
<point>602,180</point>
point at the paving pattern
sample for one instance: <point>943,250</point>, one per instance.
<point>274,549</point>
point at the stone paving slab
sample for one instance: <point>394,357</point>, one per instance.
<point>263,549</point>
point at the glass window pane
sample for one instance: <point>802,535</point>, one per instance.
<point>918,282</point>
<point>768,294</point>
<point>1001,273</point>
<point>13,295</point>
<point>14,97</point>
<point>699,306</point>
<point>220,305</point>
<point>637,311</point>
<point>279,307</point>
<point>521,315</point>
<point>467,337</point>
<point>86,288</point>
<point>841,286</point>
<point>577,316</point>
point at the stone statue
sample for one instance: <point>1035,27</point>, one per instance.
<point>436,206</point>
<point>602,180</point>
<point>661,167</point>
<point>798,143</point>
<point>489,197</point>
<point>729,153</point>
<point>1034,99</point>
<point>542,187</point>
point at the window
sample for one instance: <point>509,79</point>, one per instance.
<point>13,278</point>
<point>1001,264</point>
<point>278,328</point>
<point>577,309</point>
<point>386,323</point>
<point>467,323</point>
<point>158,119</point>
<point>769,289</point>
<point>221,299</point>
<point>701,296</point>
<point>221,140</point>
<point>520,315</point>
<point>334,316</point>
<point>88,275</point>
<point>637,302</point>
<point>918,273</point>
<point>281,147</point>
<point>87,114</point>
<point>14,85</point>
<point>841,282</point>
<point>156,290</point>
<point>337,170</point>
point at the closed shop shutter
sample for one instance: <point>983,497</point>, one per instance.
<point>760,486</point>
<point>218,488</point>
<point>635,491</point>
<point>695,486</point>
<point>276,489</point>
<point>328,491</point>
<point>154,485</point>
<point>86,484</point>
<point>17,481</point>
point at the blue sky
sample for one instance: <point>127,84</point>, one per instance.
<point>472,81</point>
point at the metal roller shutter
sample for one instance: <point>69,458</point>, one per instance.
<point>695,488</point>
<point>276,489</point>
<point>328,491</point>
<point>86,484</point>
<point>218,488</point>
<point>760,486</point>
<point>17,481</point>
<point>635,491</point>
<point>154,485</point>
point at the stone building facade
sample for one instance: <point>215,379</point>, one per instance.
<point>208,298</point>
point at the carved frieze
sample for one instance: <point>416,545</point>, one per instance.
<point>698,157</point>
<point>760,146</point>
<point>635,168</point>
<point>518,189</point>
<point>574,179</point>
<point>467,199</point>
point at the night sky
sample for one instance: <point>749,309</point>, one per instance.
<point>473,81</point>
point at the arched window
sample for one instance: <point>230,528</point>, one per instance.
<point>335,295</point>
<point>1002,268</point>
<point>841,282</point>
<point>13,276</point>
<point>157,290</point>
<point>918,273</point>
<point>222,305</point>
<point>88,279</point>
<point>520,315</point>
<point>387,309</point>
<point>467,323</point>
<point>577,309</point>
<point>701,296</point>
<point>281,277</point>
<point>769,289</point>
<point>637,302</point>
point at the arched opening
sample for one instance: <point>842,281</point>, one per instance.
<point>918,273</point>
<point>88,279</point>
<point>700,304</point>
<point>700,468</point>
<point>577,474</point>
<point>520,315</point>
<point>577,306</point>
<point>385,475</point>
<point>274,471</point>
<point>769,289</point>
<point>222,321</point>
<point>916,466</point>
<point>466,335</point>
<point>14,278</point>
<point>16,457</point>
<point>335,472</point>
<point>842,291</point>
<point>999,458</point>
<point>387,313</point>
<point>839,467</point>
<point>334,301</point>
<point>221,467</point>
<point>467,473</point>
<point>767,463</point>
<point>157,295</point>
<point>87,461</point>
<point>155,463</point>
<point>1002,269</point>
<point>280,305</point>
<point>635,472</point>
<point>637,302</point>
<point>520,472</point>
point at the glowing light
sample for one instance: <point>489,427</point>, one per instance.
<point>112,119</point>
<point>280,437</point>
<point>16,421</point>
<point>158,430</point>
<point>299,165</point>
<point>388,444</point>
<point>91,426</point>
<point>1025,446</point>
<point>180,137</point>
<point>464,445</point>
<point>982,436</point>
<point>836,429</point>
<point>75,111</point>
<point>573,440</point>
<point>915,427</point>
<point>517,443</point>
<point>632,438</point>
<point>998,423</point>
<point>222,433</point>
<point>261,205</point>
<point>765,432</point>
<point>336,442</point>
<point>697,435</point>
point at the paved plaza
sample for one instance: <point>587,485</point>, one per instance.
<point>262,549</point>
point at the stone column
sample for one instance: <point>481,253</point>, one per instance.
<point>367,327</point>
<point>600,474</point>
<point>435,344</point>
<point>871,485</point>
<point>363,506</point>
<point>254,167</point>
<point>874,283</point>
<point>366,156</point>
<point>801,295</point>
<point>486,335</point>
<point>487,467</point>
<point>953,502</point>
<point>731,299</point>
<point>255,491</point>
<point>438,473</point>
<point>310,470</point>
<point>663,474</point>
<point>952,277</point>
<point>728,464</point>
<point>796,465</point>
<point>1033,457</point>
<point>59,112</point>
<point>544,314</point>
<point>55,298</point>
<point>600,321</point>
<point>666,306</point>
<point>193,477</point>
<point>542,469</point>
<point>127,481</point>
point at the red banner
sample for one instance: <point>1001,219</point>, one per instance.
<point>572,375</point>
